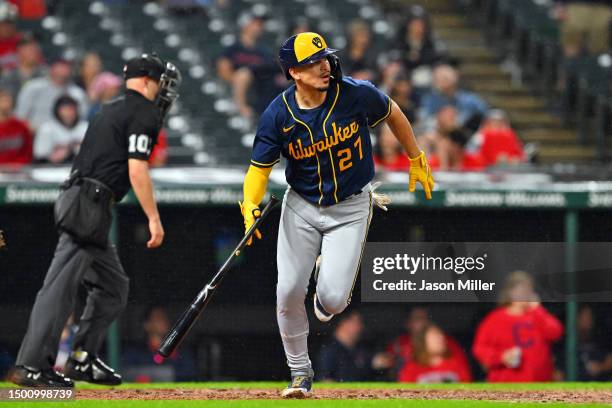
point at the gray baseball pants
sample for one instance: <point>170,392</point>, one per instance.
<point>338,233</point>
<point>107,291</point>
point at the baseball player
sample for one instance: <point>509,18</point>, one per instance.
<point>320,125</point>
<point>113,157</point>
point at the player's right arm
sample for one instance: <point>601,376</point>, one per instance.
<point>266,153</point>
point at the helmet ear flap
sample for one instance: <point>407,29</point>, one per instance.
<point>334,67</point>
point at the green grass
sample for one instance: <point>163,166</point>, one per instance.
<point>392,403</point>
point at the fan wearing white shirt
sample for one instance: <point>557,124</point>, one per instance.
<point>57,141</point>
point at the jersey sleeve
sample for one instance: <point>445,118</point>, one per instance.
<point>267,144</point>
<point>142,134</point>
<point>376,103</point>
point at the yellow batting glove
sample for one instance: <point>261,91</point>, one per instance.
<point>421,172</point>
<point>250,212</point>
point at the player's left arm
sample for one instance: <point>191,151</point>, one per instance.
<point>142,134</point>
<point>419,168</point>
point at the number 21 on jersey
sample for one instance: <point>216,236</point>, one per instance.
<point>346,154</point>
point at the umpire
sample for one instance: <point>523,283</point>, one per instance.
<point>113,156</point>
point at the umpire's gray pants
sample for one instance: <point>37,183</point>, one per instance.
<point>338,233</point>
<point>107,288</point>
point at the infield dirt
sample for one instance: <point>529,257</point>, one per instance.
<point>267,393</point>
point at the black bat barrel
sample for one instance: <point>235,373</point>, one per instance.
<point>176,335</point>
<point>180,329</point>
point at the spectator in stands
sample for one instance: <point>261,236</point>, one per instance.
<point>594,354</point>
<point>299,25</point>
<point>31,9</point>
<point>402,93</point>
<point>446,91</point>
<point>37,97</point>
<point>451,154</point>
<point>6,362</point>
<point>247,64</point>
<point>65,345</point>
<point>342,358</point>
<point>9,36</point>
<point>585,26</point>
<point>446,121</point>
<point>415,41</point>
<point>400,352</point>
<point>360,61</point>
<point>15,136</point>
<point>104,87</point>
<point>143,364</point>
<point>496,142</point>
<point>513,342</point>
<point>434,361</point>
<point>89,68</point>
<point>59,139</point>
<point>389,153</point>
<point>29,65</point>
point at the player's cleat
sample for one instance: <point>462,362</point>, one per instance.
<point>300,387</point>
<point>320,312</point>
<point>33,377</point>
<point>83,367</point>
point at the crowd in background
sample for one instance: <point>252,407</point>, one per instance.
<point>46,104</point>
<point>513,343</point>
<point>455,127</point>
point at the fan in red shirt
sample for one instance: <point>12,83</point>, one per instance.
<point>496,142</point>
<point>400,352</point>
<point>434,361</point>
<point>513,343</point>
<point>451,155</point>
<point>9,37</point>
<point>30,9</point>
<point>15,136</point>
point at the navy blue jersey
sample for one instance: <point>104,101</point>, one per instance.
<point>328,148</point>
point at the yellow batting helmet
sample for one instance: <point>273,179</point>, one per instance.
<point>303,49</point>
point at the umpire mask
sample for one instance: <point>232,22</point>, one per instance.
<point>169,83</point>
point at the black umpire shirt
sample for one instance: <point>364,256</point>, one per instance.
<point>125,128</point>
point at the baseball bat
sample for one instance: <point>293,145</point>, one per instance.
<point>182,326</point>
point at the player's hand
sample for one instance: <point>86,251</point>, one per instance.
<point>157,233</point>
<point>250,212</point>
<point>421,172</point>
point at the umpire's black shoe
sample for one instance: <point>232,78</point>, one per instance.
<point>84,367</point>
<point>33,377</point>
